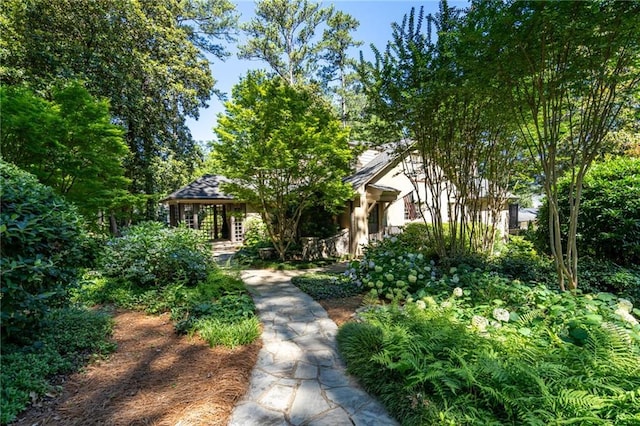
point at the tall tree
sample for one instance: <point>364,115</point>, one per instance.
<point>69,144</point>
<point>461,152</point>
<point>284,150</point>
<point>283,34</point>
<point>147,58</point>
<point>569,68</point>
<point>338,65</point>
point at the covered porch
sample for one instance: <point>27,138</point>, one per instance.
<point>202,205</point>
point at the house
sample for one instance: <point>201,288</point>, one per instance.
<point>203,205</point>
<point>386,198</point>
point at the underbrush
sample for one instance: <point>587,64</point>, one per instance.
<point>219,302</point>
<point>491,341</point>
<point>66,339</point>
<point>327,286</point>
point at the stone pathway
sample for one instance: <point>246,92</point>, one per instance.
<point>299,378</point>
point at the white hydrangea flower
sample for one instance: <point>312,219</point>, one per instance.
<point>626,316</point>
<point>625,305</point>
<point>378,268</point>
<point>455,279</point>
<point>389,277</point>
<point>501,314</point>
<point>457,292</point>
<point>412,279</point>
<point>480,322</point>
<point>421,305</point>
<point>446,304</point>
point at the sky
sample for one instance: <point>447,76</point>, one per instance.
<point>375,17</point>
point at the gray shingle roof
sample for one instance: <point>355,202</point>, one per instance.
<point>370,170</point>
<point>205,188</point>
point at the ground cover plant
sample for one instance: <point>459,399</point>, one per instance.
<point>327,285</point>
<point>64,342</point>
<point>476,345</point>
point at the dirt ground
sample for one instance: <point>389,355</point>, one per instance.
<point>158,378</point>
<point>155,377</point>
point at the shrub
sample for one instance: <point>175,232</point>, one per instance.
<point>150,254</point>
<point>507,354</point>
<point>62,344</point>
<point>609,221</point>
<point>41,251</point>
<point>597,275</point>
<point>327,286</point>
<point>255,233</point>
<point>218,308</point>
<point>520,260</point>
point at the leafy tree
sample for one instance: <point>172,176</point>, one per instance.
<point>284,150</point>
<point>569,68</point>
<point>609,226</point>
<point>147,58</point>
<point>337,40</point>
<point>283,34</point>
<point>69,143</point>
<point>461,144</point>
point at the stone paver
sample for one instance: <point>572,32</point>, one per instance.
<point>299,378</point>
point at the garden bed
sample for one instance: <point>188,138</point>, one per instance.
<point>155,377</point>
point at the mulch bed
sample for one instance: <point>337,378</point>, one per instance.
<point>155,377</point>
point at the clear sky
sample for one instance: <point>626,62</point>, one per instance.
<point>375,19</point>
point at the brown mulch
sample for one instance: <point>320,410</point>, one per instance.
<point>341,310</point>
<point>155,377</point>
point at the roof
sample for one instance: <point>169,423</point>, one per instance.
<point>205,188</point>
<point>388,158</point>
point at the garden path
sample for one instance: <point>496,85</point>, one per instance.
<point>299,378</point>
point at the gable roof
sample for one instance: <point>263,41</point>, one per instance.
<point>206,187</point>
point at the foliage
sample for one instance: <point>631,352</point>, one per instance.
<point>598,275</point>
<point>609,225</point>
<point>41,252</point>
<point>255,233</point>
<point>564,117</point>
<point>147,58</point>
<point>494,351</point>
<point>461,141</point>
<point>519,260</point>
<point>282,34</point>
<point>150,254</point>
<point>284,151</point>
<point>217,308</point>
<point>60,346</point>
<point>327,286</point>
<point>69,143</point>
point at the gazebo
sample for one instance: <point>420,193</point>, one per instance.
<point>203,205</point>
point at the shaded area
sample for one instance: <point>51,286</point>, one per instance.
<point>155,377</point>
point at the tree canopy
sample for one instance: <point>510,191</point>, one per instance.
<point>284,150</point>
<point>69,143</point>
<point>147,58</point>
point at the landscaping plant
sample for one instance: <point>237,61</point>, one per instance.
<point>149,254</point>
<point>41,253</point>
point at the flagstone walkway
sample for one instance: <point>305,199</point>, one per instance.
<point>299,378</point>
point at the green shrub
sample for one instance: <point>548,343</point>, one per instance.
<point>596,275</point>
<point>150,254</point>
<point>255,233</point>
<point>519,260</point>
<point>558,359</point>
<point>67,337</point>
<point>218,308</point>
<point>41,251</point>
<point>609,221</point>
<point>327,286</point>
